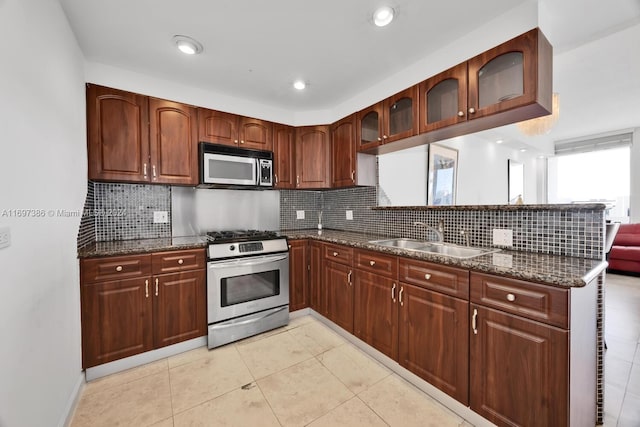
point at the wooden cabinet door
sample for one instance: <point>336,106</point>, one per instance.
<point>519,370</point>
<point>443,99</point>
<point>316,296</point>
<point>284,156</point>
<point>337,280</point>
<point>400,118</point>
<point>434,339</point>
<point>510,75</point>
<point>255,134</point>
<point>343,153</point>
<point>298,275</point>
<point>116,320</point>
<point>313,157</point>
<point>180,311</point>
<point>217,127</point>
<point>375,313</point>
<point>173,136</point>
<point>369,127</point>
<point>117,135</point>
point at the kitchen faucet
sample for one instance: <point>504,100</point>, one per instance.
<point>439,231</point>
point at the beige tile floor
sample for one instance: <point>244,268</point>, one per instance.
<point>301,375</point>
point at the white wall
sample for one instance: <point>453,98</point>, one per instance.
<point>634,189</point>
<point>42,166</point>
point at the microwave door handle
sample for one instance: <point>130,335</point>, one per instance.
<point>241,263</point>
<point>258,172</point>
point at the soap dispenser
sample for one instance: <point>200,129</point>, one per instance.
<point>320,220</point>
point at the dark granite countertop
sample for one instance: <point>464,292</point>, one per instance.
<point>542,268</point>
<point>140,246</point>
<point>553,270</point>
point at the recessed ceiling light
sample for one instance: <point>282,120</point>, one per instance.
<point>522,150</point>
<point>499,141</point>
<point>383,16</point>
<point>187,45</point>
<point>299,84</point>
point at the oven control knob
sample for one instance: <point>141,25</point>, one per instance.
<point>232,247</point>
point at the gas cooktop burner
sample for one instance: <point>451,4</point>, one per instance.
<point>240,235</point>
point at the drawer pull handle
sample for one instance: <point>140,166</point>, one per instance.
<point>119,268</point>
<point>146,288</point>
<point>474,321</point>
<point>511,297</point>
<point>335,254</point>
<point>393,293</point>
<point>180,261</point>
<point>427,276</point>
<point>372,263</point>
<point>156,287</point>
<point>349,278</point>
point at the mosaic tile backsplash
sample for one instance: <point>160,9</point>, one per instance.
<point>575,232</point>
<point>87,230</point>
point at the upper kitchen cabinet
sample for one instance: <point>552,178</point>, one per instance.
<point>284,156</point>
<point>313,157</point>
<point>218,127</point>
<point>343,152</point>
<point>173,142</point>
<point>117,135</point>
<point>390,120</point>
<point>134,138</point>
<point>506,84</point>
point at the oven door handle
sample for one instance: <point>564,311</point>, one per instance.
<point>252,320</point>
<point>244,263</point>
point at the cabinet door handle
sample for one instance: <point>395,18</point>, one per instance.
<point>335,254</point>
<point>298,180</point>
<point>511,297</point>
<point>474,321</point>
<point>146,288</point>
<point>472,110</point>
<point>460,113</point>
<point>242,141</point>
<point>353,176</point>
<point>275,176</point>
<point>289,246</point>
<point>153,168</point>
<point>156,286</point>
<point>379,139</point>
<point>427,276</point>
<point>384,137</point>
<point>400,295</point>
<point>235,141</point>
<point>119,268</point>
<point>393,293</point>
<point>144,170</point>
<point>349,278</point>
<point>372,263</point>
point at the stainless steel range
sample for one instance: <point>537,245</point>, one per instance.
<point>247,284</point>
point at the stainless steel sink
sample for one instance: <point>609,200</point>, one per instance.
<point>445,249</point>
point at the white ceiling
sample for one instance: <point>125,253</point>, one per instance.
<point>254,49</point>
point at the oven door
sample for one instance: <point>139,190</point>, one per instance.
<point>229,170</point>
<point>247,285</point>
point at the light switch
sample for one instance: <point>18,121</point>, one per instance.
<point>349,215</point>
<point>160,217</point>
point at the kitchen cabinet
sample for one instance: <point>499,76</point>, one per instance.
<point>513,78</point>
<point>313,157</point>
<point>218,127</point>
<point>343,152</point>
<point>337,283</point>
<point>284,157</point>
<point>134,138</point>
<point>117,135</point>
<point>298,274</point>
<point>317,300</point>
<point>135,303</point>
<point>390,120</point>
<point>530,364</point>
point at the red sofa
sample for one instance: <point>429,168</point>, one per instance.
<point>625,252</point>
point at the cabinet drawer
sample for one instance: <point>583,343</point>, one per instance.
<point>531,300</point>
<point>375,262</point>
<point>114,268</point>
<point>174,261</point>
<point>337,253</point>
<point>448,280</point>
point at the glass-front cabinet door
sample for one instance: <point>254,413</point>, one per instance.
<point>369,128</point>
<point>504,77</point>
<point>444,99</point>
<point>401,115</point>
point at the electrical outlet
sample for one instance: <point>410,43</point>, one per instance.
<point>502,237</point>
<point>5,237</point>
<point>299,214</point>
<point>349,215</point>
<point>160,217</point>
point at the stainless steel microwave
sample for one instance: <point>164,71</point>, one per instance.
<point>224,166</point>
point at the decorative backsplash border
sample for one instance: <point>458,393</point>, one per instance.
<point>569,230</point>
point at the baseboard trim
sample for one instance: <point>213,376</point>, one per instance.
<point>72,403</point>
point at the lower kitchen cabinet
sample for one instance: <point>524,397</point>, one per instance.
<point>338,288</point>
<point>298,275</point>
<point>317,300</point>
<point>434,339</point>
<point>130,305</point>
